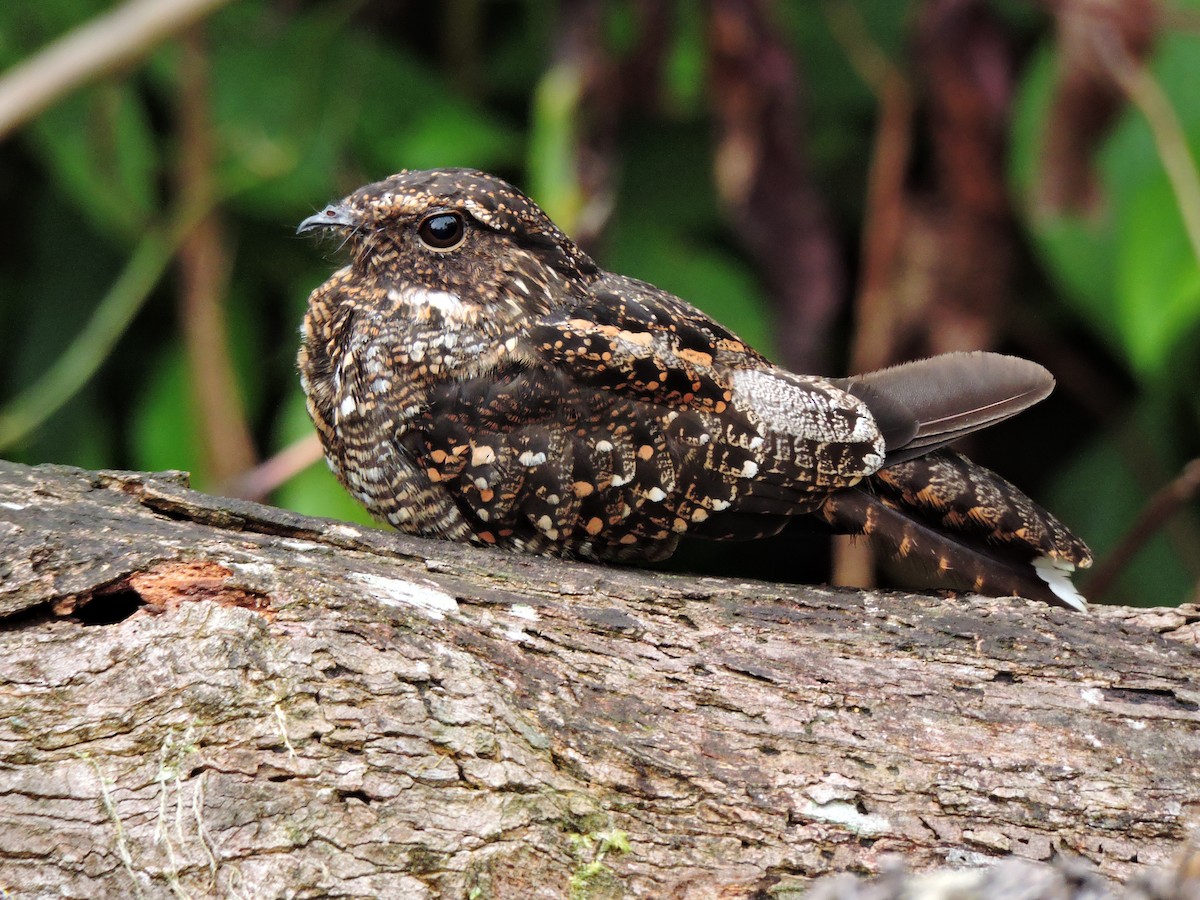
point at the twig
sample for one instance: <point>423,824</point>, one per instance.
<point>875,333</point>
<point>1165,502</point>
<point>258,482</point>
<point>1145,93</point>
<point>849,29</point>
<point>204,273</point>
<point>104,44</point>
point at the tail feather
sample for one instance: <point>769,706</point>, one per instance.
<point>920,406</point>
<point>967,524</point>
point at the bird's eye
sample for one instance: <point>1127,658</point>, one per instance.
<point>442,231</point>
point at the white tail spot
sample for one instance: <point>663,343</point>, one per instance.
<point>1057,575</point>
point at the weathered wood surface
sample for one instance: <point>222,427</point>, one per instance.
<point>297,707</point>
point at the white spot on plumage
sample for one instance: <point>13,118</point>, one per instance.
<point>656,495</point>
<point>749,469</point>
<point>604,446</point>
<point>529,458</point>
<point>1057,575</point>
<point>865,429</point>
<point>619,480</point>
<point>412,295</point>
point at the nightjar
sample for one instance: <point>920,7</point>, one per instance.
<point>475,376</point>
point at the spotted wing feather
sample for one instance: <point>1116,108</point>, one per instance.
<point>790,435</point>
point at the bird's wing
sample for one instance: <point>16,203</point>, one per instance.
<point>631,418</point>
<point>630,338</point>
<point>537,459</point>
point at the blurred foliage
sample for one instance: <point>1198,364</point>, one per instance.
<point>1129,272</point>
<point>311,99</point>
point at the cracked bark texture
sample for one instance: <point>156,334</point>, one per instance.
<point>208,697</point>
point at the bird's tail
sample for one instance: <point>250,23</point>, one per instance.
<point>966,523</point>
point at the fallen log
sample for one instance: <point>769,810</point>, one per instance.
<point>208,697</point>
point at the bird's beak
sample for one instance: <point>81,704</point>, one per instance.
<point>333,216</point>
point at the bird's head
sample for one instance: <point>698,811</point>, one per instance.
<point>460,232</point>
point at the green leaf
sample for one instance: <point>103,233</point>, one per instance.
<point>448,134</point>
<point>1078,251</point>
<point>282,129</point>
<point>552,177</point>
<point>27,27</point>
<point>43,306</point>
<point>1129,268</point>
<point>1158,279</point>
<point>684,74</point>
<point>101,150</point>
<point>163,430</point>
<point>413,119</point>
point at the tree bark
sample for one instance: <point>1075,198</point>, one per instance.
<point>209,697</point>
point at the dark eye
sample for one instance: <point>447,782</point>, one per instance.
<point>442,231</point>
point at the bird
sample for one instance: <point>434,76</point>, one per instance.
<point>475,376</point>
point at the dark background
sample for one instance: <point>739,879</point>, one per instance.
<point>845,184</point>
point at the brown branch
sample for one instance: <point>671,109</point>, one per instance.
<point>1154,515</point>
<point>259,482</point>
<point>1086,101</point>
<point>204,267</point>
<point>106,44</point>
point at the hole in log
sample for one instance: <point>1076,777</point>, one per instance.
<point>159,589</point>
<point>110,607</point>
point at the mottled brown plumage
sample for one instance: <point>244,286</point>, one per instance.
<point>473,375</point>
